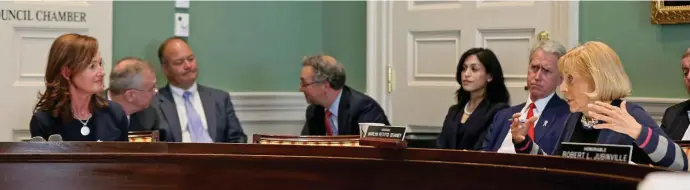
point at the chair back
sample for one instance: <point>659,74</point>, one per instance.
<point>345,140</point>
<point>685,146</point>
<point>144,136</point>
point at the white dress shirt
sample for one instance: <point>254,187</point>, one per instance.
<point>182,111</point>
<point>539,106</point>
<point>686,136</point>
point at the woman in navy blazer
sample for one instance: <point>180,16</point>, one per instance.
<point>482,94</point>
<point>72,105</point>
<point>595,83</point>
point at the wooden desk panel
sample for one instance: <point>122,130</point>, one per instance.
<point>106,165</point>
<point>128,171</point>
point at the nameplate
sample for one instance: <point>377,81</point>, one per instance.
<point>390,132</point>
<point>590,151</point>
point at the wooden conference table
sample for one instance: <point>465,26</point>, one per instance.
<point>159,165</point>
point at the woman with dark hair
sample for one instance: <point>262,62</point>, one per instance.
<point>72,105</point>
<point>482,94</point>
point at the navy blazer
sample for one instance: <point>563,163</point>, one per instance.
<point>547,129</point>
<point>107,124</point>
<point>354,108</point>
<point>675,121</point>
<point>221,120</point>
<point>475,128</point>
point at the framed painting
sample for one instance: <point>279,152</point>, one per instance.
<point>670,12</point>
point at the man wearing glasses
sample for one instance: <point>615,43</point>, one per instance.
<point>191,112</point>
<point>133,85</point>
<point>335,109</point>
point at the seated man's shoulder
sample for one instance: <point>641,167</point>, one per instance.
<point>115,109</point>
<point>150,111</point>
<point>679,106</point>
<point>215,92</point>
<point>359,98</point>
<point>212,90</point>
<point>509,111</point>
<point>112,105</point>
<point>562,109</point>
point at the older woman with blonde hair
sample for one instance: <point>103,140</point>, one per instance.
<point>594,85</point>
<point>72,105</point>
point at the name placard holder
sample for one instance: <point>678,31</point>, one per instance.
<point>385,137</point>
<point>591,151</point>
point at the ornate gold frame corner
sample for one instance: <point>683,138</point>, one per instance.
<point>662,14</point>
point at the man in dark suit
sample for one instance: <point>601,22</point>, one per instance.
<point>676,118</point>
<point>335,109</point>
<point>191,112</point>
<point>133,85</point>
<point>542,79</point>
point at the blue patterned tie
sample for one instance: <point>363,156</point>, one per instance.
<point>194,124</point>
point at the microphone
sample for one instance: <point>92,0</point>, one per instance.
<point>37,139</point>
<point>55,138</point>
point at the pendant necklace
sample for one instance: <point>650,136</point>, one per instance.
<point>465,110</point>
<point>84,129</point>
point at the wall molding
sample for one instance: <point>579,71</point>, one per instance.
<point>269,106</point>
<point>655,106</point>
<point>277,113</point>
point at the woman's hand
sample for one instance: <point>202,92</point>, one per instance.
<point>617,119</point>
<point>519,130</point>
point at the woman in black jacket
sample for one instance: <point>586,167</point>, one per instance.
<point>482,94</point>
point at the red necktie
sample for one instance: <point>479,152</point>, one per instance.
<point>328,123</point>
<point>529,115</point>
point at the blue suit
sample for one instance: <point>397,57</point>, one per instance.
<point>554,115</point>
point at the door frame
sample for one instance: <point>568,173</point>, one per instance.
<point>380,50</point>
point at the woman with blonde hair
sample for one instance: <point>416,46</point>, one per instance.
<point>72,105</point>
<point>594,85</point>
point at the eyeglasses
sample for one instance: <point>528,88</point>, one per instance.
<point>154,90</point>
<point>307,84</point>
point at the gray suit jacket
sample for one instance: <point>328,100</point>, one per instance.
<point>223,125</point>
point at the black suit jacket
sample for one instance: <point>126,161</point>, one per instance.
<point>144,120</point>
<point>472,132</point>
<point>675,121</point>
<point>223,125</point>
<point>107,124</point>
<point>354,108</point>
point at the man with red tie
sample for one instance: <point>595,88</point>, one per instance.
<point>335,108</point>
<point>544,107</point>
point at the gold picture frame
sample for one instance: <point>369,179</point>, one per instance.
<point>670,12</point>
